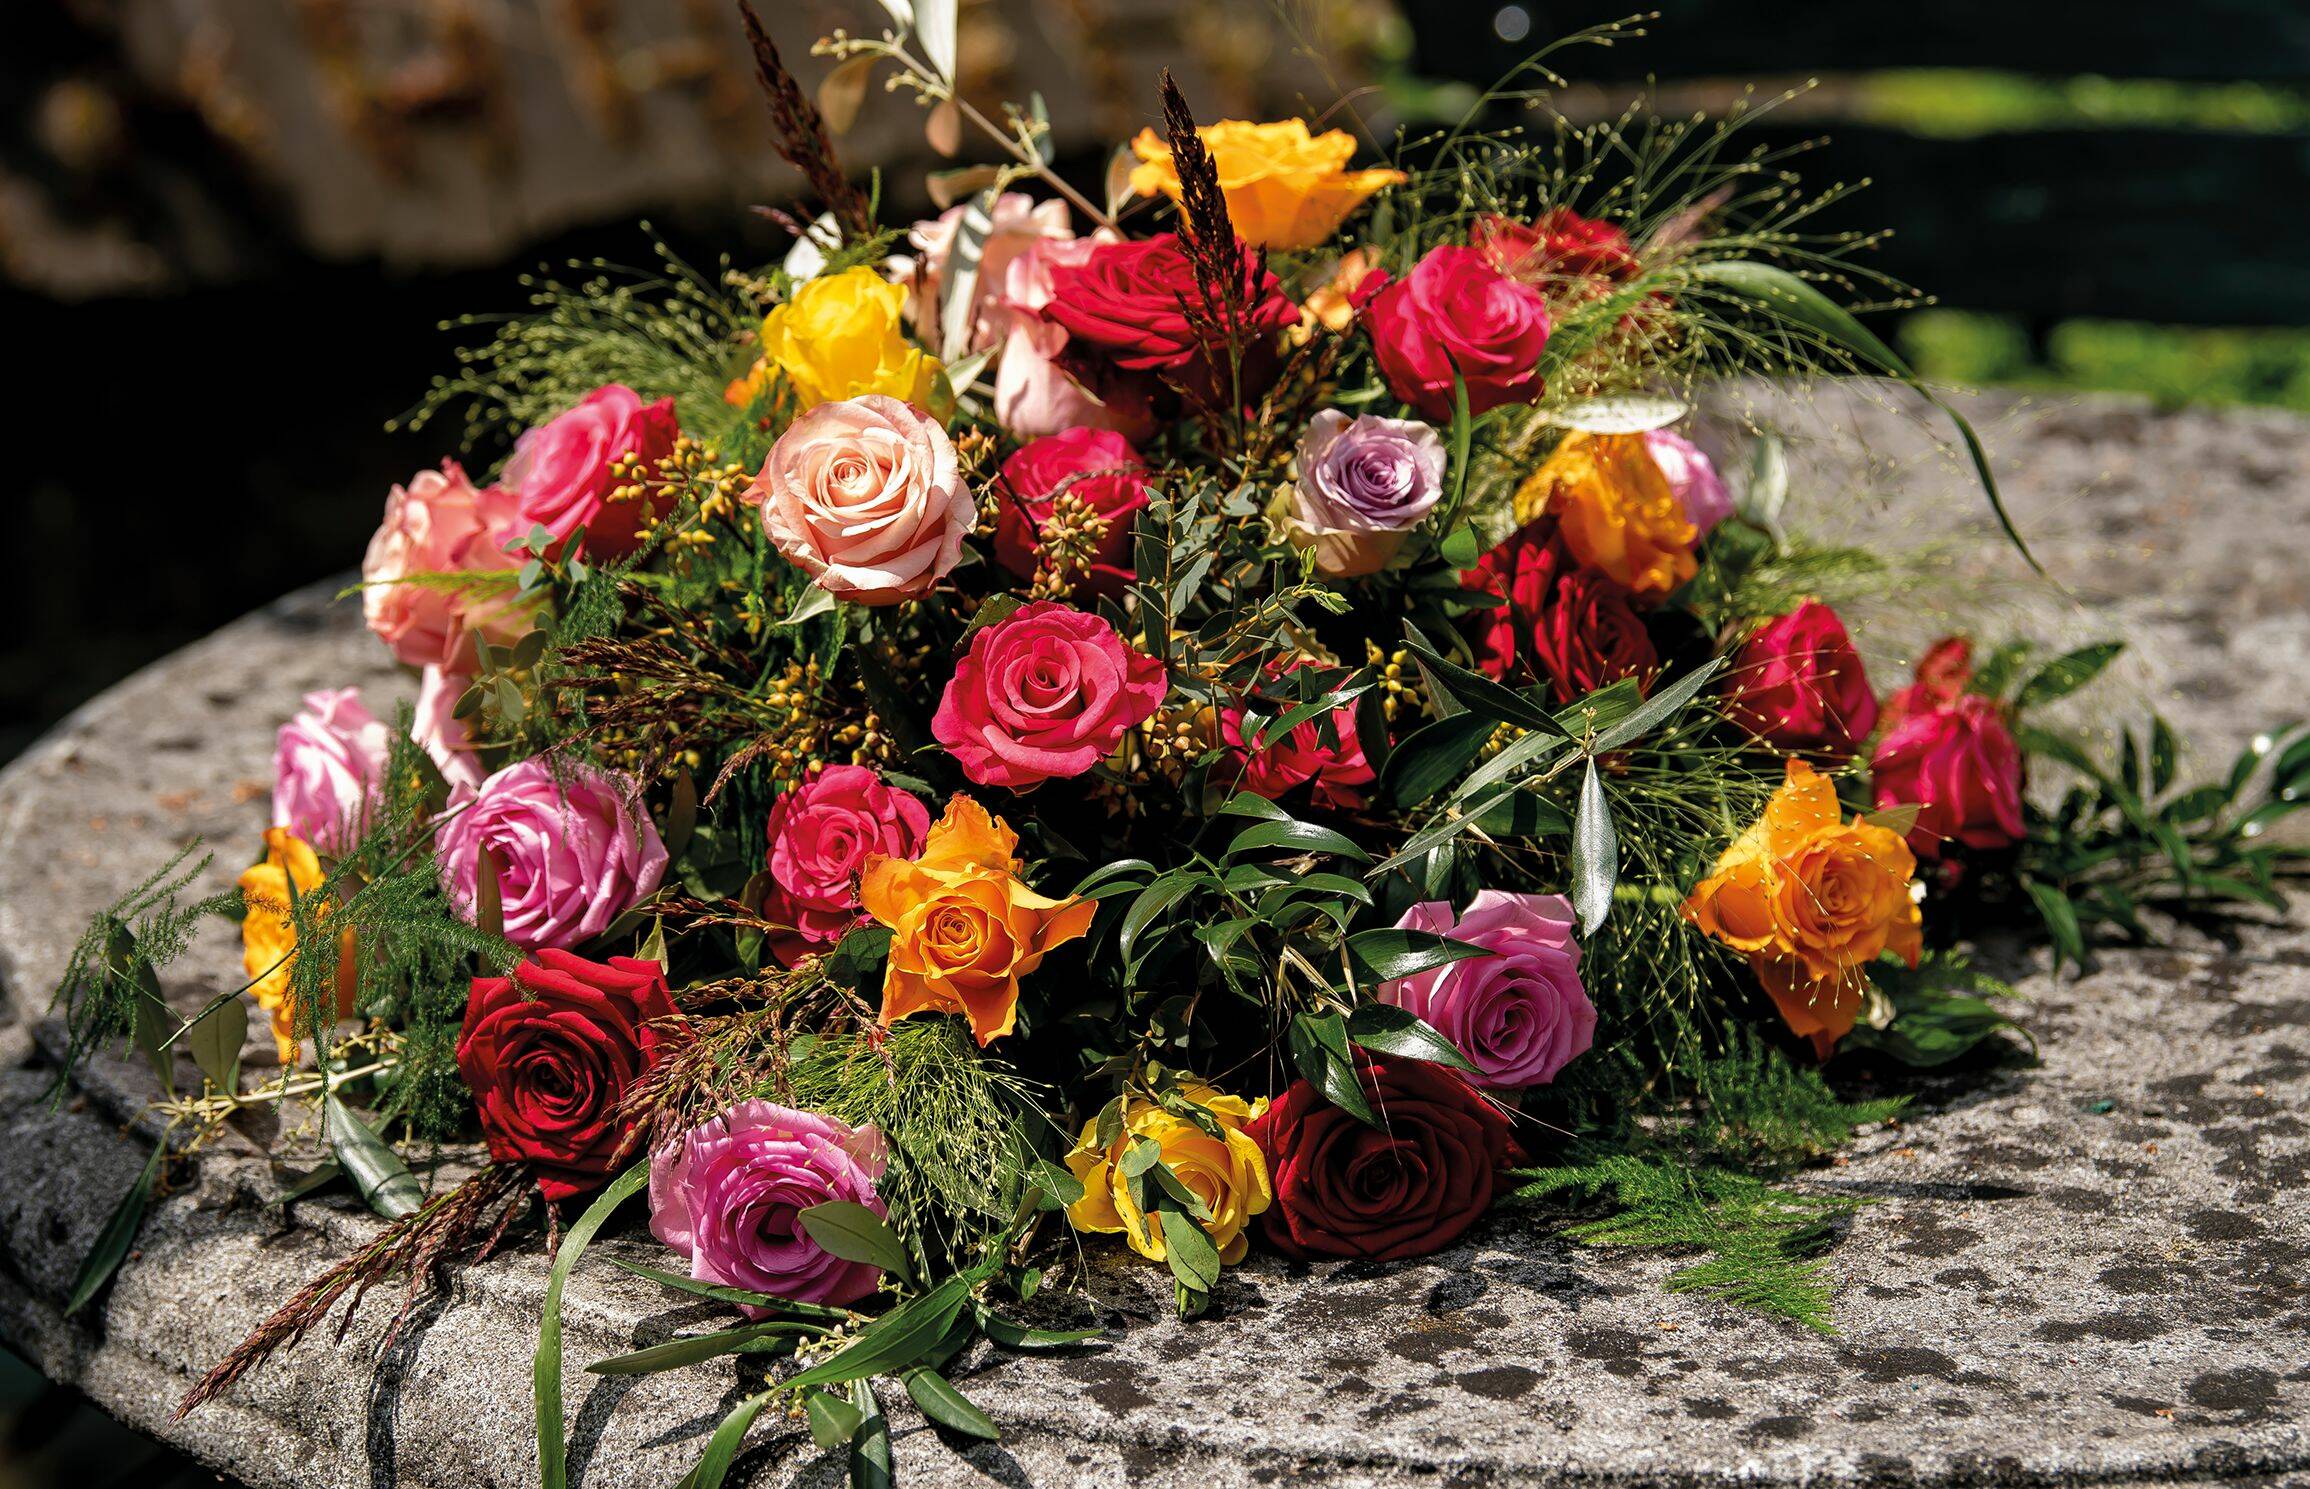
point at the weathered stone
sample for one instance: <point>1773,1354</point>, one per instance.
<point>2090,1271</point>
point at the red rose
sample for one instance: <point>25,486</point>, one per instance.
<point>1046,691</point>
<point>561,471</point>
<point>1300,756</point>
<point>1569,624</point>
<point>1798,685</point>
<point>1098,468</point>
<point>1942,674</point>
<point>1132,301</point>
<point>820,834</point>
<point>1454,311</point>
<point>1960,766</point>
<point>1560,244</point>
<point>1343,1188</point>
<point>550,1054</point>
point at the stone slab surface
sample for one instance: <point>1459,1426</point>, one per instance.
<point>2089,1272</point>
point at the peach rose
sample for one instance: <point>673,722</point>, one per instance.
<point>865,495</point>
<point>440,523</point>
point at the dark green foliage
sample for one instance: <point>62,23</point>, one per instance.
<point>111,987</point>
<point>1759,1107</point>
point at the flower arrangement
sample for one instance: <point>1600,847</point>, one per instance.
<point>1248,717</point>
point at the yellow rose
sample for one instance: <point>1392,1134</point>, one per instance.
<point>269,937</point>
<point>964,927</point>
<point>1616,510</point>
<point>1284,187</point>
<point>1227,1173</point>
<point>839,336</point>
<point>1812,900</point>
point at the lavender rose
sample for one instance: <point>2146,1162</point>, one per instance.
<point>1363,484</point>
<point>329,767</point>
<point>1692,476</point>
<point>573,850</point>
<point>1521,1014</point>
<point>730,1194</point>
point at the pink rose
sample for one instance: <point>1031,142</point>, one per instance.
<point>1961,768</point>
<point>1019,223</point>
<point>1942,674</point>
<point>866,497</point>
<point>1045,692</point>
<point>1034,393</point>
<point>574,850</point>
<point>561,471</point>
<point>1300,756</point>
<point>1455,312</point>
<point>820,835</point>
<point>1096,467</point>
<point>329,768</point>
<point>729,1195</point>
<point>440,523</point>
<point>440,733</point>
<point>1692,476</point>
<point>1521,1014</point>
<point>1798,685</point>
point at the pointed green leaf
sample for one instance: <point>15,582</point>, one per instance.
<point>545,1367</point>
<point>119,1234</point>
<point>856,1234</point>
<point>375,1169</point>
<point>948,1407</point>
<point>1595,853</point>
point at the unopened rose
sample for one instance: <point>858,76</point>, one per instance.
<point>820,835</point>
<point>1044,693</point>
<point>865,496</point>
<point>550,1053</point>
<point>438,524</point>
<point>329,768</point>
<point>729,1195</point>
<point>1798,685</point>
<point>573,847</point>
<point>1097,468</point>
<point>563,471</point>
<point>1521,1014</point>
<point>1959,765</point>
<point>1456,313</point>
<point>1942,674</point>
<point>1363,484</point>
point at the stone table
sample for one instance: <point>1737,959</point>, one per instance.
<point>2089,1272</point>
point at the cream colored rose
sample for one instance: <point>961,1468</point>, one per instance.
<point>866,497</point>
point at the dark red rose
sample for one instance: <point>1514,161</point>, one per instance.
<point>550,1054</point>
<point>1098,468</point>
<point>1136,303</point>
<point>1563,622</point>
<point>1346,1189</point>
<point>1561,244</point>
<point>1455,312</point>
<point>1798,685</point>
<point>1942,674</point>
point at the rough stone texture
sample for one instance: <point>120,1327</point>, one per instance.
<point>2092,1271</point>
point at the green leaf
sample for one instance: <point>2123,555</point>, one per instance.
<point>737,1296</point>
<point>856,1234</point>
<point>1054,1186</point>
<point>2060,920</point>
<point>1461,548</point>
<point>1250,804</point>
<point>545,1368</point>
<point>1319,1050</point>
<point>1900,820</point>
<point>833,1420</point>
<point>1303,837</point>
<point>375,1169</point>
<point>2067,673</point>
<point>894,1341</point>
<point>993,610</point>
<point>948,1407</point>
<point>1187,1247</point>
<point>1433,756</point>
<point>692,1348</point>
<point>1385,955</point>
<point>814,603</point>
<point>1398,1031</point>
<point>1150,905</point>
<point>870,1466</point>
<point>1595,853</point>
<point>722,1447</point>
<point>1794,301</point>
<point>112,1243</point>
<point>1662,706</point>
<point>154,1026</point>
<point>215,1040</point>
<point>1011,1334</point>
<point>1476,692</point>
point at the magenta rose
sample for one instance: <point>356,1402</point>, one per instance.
<point>1521,1014</point>
<point>1692,476</point>
<point>1096,467</point>
<point>820,835</point>
<point>1045,692</point>
<point>729,1195</point>
<point>574,850</point>
<point>329,768</point>
<point>1798,685</point>
<point>561,471</point>
<point>1959,765</point>
<point>1455,311</point>
<point>440,523</point>
<point>1298,757</point>
<point>1136,303</point>
<point>1943,673</point>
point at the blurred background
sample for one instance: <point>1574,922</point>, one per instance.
<point>230,230</point>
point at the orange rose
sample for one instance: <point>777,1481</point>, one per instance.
<point>964,927</point>
<point>1285,188</point>
<point>1812,900</point>
<point>1616,510</point>
<point>269,937</point>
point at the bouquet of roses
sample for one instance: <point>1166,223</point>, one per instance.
<point>1245,715</point>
